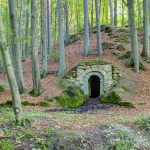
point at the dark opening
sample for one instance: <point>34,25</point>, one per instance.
<point>94,82</point>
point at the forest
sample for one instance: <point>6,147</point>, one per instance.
<point>74,74</point>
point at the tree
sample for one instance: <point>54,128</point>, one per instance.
<point>99,43</point>
<point>111,13</point>
<point>10,74</point>
<point>43,39</point>
<point>61,40</point>
<point>146,46</point>
<point>34,49</point>
<point>49,39</point>
<point>135,59</point>
<point>66,22</point>
<point>86,30</point>
<point>115,12</point>
<point>16,46</point>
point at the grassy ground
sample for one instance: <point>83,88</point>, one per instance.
<point>68,130</point>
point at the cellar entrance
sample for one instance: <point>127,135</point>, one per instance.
<point>94,86</point>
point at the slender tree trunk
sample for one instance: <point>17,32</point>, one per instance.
<point>43,39</point>
<point>26,45</point>
<point>111,13</point>
<point>66,22</point>
<point>99,43</point>
<point>49,33</point>
<point>115,12</point>
<point>86,30</point>
<point>61,40</point>
<point>10,74</point>
<point>146,48</point>
<point>135,57</point>
<point>16,46</point>
<point>34,49</point>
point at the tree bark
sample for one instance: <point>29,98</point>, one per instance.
<point>34,50</point>
<point>61,40</point>
<point>99,42</point>
<point>16,46</point>
<point>43,39</point>
<point>146,48</point>
<point>86,30</point>
<point>10,74</point>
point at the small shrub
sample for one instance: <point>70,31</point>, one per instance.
<point>1,89</point>
<point>6,145</point>
<point>54,55</point>
<point>44,104</point>
<point>115,99</point>
<point>70,102</point>
<point>25,103</point>
<point>144,124</point>
<point>8,104</point>
<point>31,93</point>
<point>122,145</point>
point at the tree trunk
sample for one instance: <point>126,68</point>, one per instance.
<point>10,74</point>
<point>115,12</point>
<point>61,40</point>
<point>34,49</point>
<point>135,57</point>
<point>26,45</point>
<point>146,48</point>
<point>66,22</point>
<point>43,39</point>
<point>86,30</point>
<point>111,13</point>
<point>16,46</point>
<point>99,43</point>
<point>49,33</point>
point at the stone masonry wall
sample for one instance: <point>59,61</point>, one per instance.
<point>108,74</point>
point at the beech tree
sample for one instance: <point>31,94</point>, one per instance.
<point>86,30</point>
<point>135,58</point>
<point>146,46</point>
<point>61,69</point>
<point>10,74</point>
<point>16,46</point>
<point>44,68</point>
<point>34,49</point>
<point>99,43</point>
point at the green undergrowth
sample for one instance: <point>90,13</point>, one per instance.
<point>6,144</point>
<point>115,99</point>
<point>144,123</point>
<point>54,55</point>
<point>1,88</point>
<point>72,97</point>
<point>8,104</point>
<point>31,93</point>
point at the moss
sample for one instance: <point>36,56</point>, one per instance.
<point>31,93</point>
<point>26,103</point>
<point>44,104</point>
<point>93,62</point>
<point>72,97</point>
<point>8,104</point>
<point>1,89</point>
<point>115,99</point>
<point>6,144</point>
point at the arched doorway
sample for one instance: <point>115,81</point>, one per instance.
<point>94,86</point>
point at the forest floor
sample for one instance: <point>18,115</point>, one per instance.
<point>88,124</point>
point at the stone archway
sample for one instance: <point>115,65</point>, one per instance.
<point>94,86</point>
<point>87,77</point>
